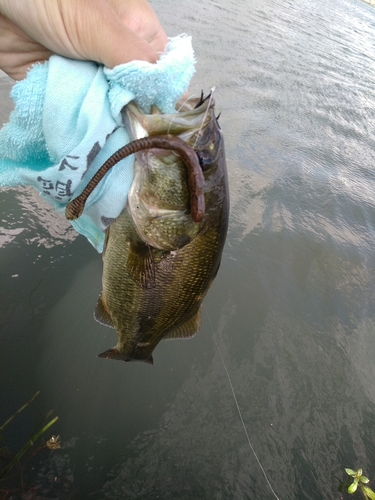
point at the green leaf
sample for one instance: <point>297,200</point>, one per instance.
<point>353,487</point>
<point>364,479</point>
<point>350,472</point>
<point>19,411</point>
<point>359,473</point>
<point>369,492</point>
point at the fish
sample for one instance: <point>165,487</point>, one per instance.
<point>163,252</point>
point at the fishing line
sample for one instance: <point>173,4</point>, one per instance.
<point>186,100</point>
<point>32,291</point>
<point>205,115</point>
<point>182,105</point>
<point>238,408</point>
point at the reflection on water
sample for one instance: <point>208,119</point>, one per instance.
<point>292,308</point>
<point>33,217</point>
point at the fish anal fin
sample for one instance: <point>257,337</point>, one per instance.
<point>106,238</point>
<point>101,314</point>
<point>188,329</point>
<point>141,265</point>
<point>110,354</point>
<point>114,353</point>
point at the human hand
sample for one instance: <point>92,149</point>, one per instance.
<point>110,32</point>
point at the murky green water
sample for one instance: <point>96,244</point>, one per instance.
<point>292,309</point>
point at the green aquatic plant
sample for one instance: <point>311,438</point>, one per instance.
<point>359,484</point>
<point>38,431</point>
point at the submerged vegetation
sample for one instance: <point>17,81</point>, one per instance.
<point>10,461</point>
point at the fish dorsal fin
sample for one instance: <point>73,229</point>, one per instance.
<point>188,329</point>
<point>141,265</point>
<point>101,315</point>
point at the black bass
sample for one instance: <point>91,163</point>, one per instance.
<point>163,251</point>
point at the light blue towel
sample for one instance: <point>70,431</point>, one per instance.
<point>67,122</point>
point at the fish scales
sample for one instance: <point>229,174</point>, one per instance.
<point>159,263</point>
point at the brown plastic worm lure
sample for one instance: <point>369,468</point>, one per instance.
<point>75,208</point>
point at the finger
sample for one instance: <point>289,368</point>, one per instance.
<point>18,51</point>
<point>139,16</point>
<point>113,38</point>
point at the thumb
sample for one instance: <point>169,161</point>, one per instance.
<point>100,35</point>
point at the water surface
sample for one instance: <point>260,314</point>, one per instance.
<point>292,309</point>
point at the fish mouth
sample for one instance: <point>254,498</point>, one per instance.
<point>114,353</point>
<point>192,116</point>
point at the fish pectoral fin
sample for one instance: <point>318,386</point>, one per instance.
<point>188,329</point>
<point>141,265</point>
<point>101,314</point>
